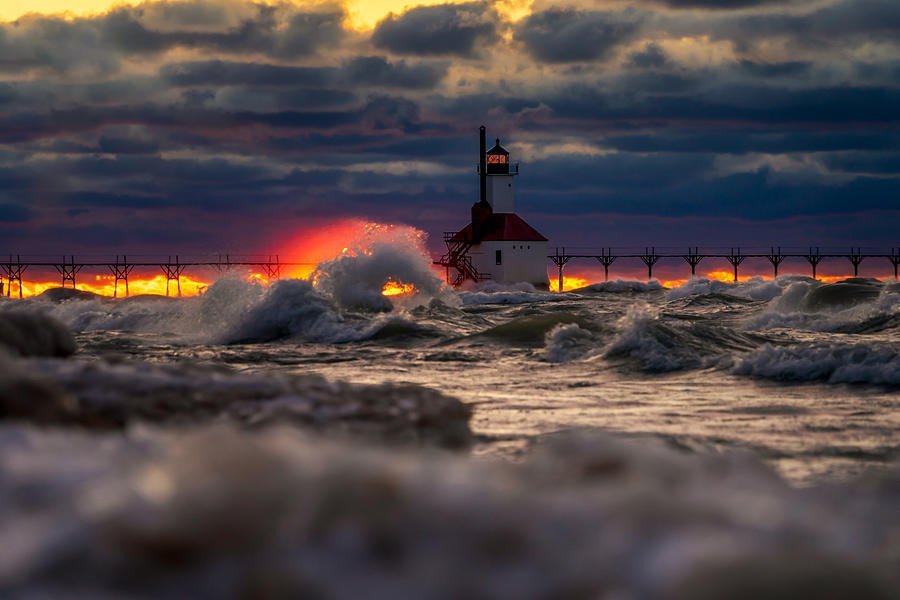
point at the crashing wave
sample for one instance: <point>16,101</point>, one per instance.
<point>567,342</point>
<point>850,306</point>
<point>832,363</point>
<point>491,292</point>
<point>621,286</point>
<point>657,344</point>
<point>755,288</point>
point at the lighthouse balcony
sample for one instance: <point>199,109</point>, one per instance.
<point>513,170</point>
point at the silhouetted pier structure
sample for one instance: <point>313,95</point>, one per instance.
<point>173,267</point>
<point>735,256</point>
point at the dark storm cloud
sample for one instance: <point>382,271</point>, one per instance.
<point>561,35</point>
<point>12,213</point>
<point>747,103</point>
<point>652,56</point>
<point>716,4</point>
<point>744,140</point>
<point>222,73</point>
<point>361,71</point>
<point>840,23</point>
<point>376,71</point>
<point>872,163</point>
<point>440,30</point>
<point>767,70</point>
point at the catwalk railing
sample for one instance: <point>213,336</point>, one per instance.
<point>775,255</point>
<point>13,267</point>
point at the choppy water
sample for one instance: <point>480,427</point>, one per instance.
<point>622,439</point>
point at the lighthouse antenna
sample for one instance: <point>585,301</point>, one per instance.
<point>482,166</point>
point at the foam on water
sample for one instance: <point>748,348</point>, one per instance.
<point>835,363</point>
<point>654,343</point>
<point>491,292</point>
<point>218,511</point>
<point>755,288</point>
<point>851,306</point>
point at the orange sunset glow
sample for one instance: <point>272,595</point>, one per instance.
<point>308,247</point>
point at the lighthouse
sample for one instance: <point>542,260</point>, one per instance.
<point>497,244</point>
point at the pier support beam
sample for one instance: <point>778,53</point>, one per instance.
<point>735,259</point>
<point>120,271</point>
<point>272,269</point>
<point>606,259</point>
<point>223,267</point>
<point>775,258</point>
<point>693,258</point>
<point>814,258</point>
<point>560,261</point>
<point>895,260</point>
<point>650,257</point>
<point>14,272</point>
<point>855,258</point>
<point>173,273</point>
<point>68,270</point>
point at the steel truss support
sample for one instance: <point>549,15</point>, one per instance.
<point>895,259</point>
<point>855,258</point>
<point>650,257</point>
<point>223,267</point>
<point>272,269</point>
<point>68,270</point>
<point>693,258</point>
<point>814,258</point>
<point>120,271</point>
<point>776,259</point>
<point>173,272</point>
<point>14,272</point>
<point>560,260</point>
<point>606,259</point>
<point>735,259</point>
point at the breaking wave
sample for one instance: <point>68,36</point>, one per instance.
<point>567,342</point>
<point>655,343</point>
<point>850,306</point>
<point>832,363</point>
<point>490,292</point>
<point>755,288</point>
<point>621,287</point>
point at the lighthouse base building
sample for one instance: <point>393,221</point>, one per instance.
<point>497,245</point>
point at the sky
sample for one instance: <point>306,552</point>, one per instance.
<point>205,126</point>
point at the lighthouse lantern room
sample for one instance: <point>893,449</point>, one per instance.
<point>497,244</point>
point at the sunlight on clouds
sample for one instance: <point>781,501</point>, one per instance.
<point>364,14</point>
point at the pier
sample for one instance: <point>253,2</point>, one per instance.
<point>14,266</point>
<point>775,255</point>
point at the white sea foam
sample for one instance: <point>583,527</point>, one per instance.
<point>492,292</point>
<point>622,286</point>
<point>567,342</point>
<point>853,306</point>
<point>275,514</point>
<point>834,363</point>
<point>356,278</point>
<point>755,288</point>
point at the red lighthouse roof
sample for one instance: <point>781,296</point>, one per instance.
<point>504,227</point>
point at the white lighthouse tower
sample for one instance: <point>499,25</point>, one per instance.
<point>497,244</point>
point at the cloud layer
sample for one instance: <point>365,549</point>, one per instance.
<point>208,125</point>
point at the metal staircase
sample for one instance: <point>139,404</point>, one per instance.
<point>458,259</point>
